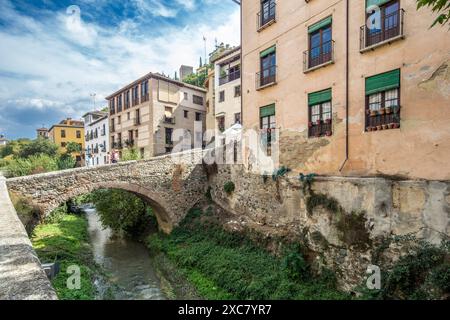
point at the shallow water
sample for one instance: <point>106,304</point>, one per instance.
<point>127,263</point>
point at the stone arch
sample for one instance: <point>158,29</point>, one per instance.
<point>160,206</point>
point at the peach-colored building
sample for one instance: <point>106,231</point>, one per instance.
<point>147,113</point>
<point>349,98</point>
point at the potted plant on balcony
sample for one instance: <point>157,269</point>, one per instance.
<point>379,127</point>
<point>373,113</point>
<point>391,125</point>
<point>385,126</point>
<point>318,122</point>
<point>328,121</point>
<point>329,133</point>
<point>382,111</point>
<point>310,124</point>
<point>396,125</point>
<point>388,110</point>
<point>369,129</point>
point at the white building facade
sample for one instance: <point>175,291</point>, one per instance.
<point>96,128</point>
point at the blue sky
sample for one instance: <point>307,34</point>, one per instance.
<point>54,54</point>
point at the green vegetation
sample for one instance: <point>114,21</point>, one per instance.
<point>123,211</point>
<point>441,7</point>
<point>64,238</point>
<point>130,154</point>
<point>229,187</point>
<point>423,273</point>
<point>223,265</point>
<point>24,157</point>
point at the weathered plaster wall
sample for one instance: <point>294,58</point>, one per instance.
<point>419,149</point>
<point>389,208</point>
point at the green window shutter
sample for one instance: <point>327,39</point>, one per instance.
<point>382,82</point>
<point>319,97</point>
<point>267,111</point>
<point>370,3</point>
<point>267,51</point>
<point>321,24</point>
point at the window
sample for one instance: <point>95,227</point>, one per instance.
<point>197,100</point>
<point>320,114</point>
<point>169,132</point>
<point>112,107</point>
<point>63,144</point>
<point>237,118</point>
<point>127,99</point>
<point>267,123</point>
<point>135,95</point>
<point>136,133</point>
<point>383,101</point>
<point>221,123</point>
<point>386,23</point>
<point>119,103</point>
<point>78,134</point>
<point>63,133</point>
<point>268,66</point>
<point>237,91</point>
<point>267,12</point>
<point>144,91</point>
<point>221,96</point>
<point>128,116</point>
<point>320,43</point>
<point>119,119</point>
<point>142,153</point>
<point>137,117</point>
<point>169,150</point>
<point>198,116</point>
<point>186,114</point>
<point>186,97</point>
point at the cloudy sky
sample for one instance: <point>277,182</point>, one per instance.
<point>55,54</point>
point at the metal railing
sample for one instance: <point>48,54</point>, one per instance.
<point>318,56</point>
<point>169,120</point>
<point>266,77</point>
<point>137,121</point>
<point>320,128</point>
<point>230,77</point>
<point>266,17</point>
<point>391,26</point>
<point>144,97</point>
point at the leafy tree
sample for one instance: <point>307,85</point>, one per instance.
<point>130,154</point>
<point>13,148</point>
<point>73,147</point>
<point>38,147</point>
<point>442,7</point>
<point>196,79</point>
<point>66,161</point>
<point>122,211</point>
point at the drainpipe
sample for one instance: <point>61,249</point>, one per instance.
<point>346,86</point>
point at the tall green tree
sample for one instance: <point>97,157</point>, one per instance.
<point>441,7</point>
<point>73,147</point>
<point>38,147</point>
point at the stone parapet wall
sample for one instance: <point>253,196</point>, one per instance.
<point>350,216</point>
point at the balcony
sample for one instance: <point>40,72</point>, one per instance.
<point>112,129</point>
<point>144,97</point>
<point>318,57</point>
<point>135,101</point>
<point>103,132</point>
<point>383,119</point>
<point>266,78</point>
<point>129,143</point>
<point>117,145</point>
<point>390,31</point>
<point>230,77</point>
<point>137,121</point>
<point>169,120</point>
<point>320,128</point>
<point>266,17</point>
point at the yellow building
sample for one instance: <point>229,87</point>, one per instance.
<point>68,131</point>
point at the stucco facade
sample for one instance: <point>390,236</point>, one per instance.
<point>417,146</point>
<point>67,131</point>
<point>96,127</point>
<point>160,107</point>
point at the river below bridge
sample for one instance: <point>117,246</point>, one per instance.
<point>127,263</point>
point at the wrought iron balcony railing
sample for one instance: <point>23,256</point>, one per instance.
<point>169,120</point>
<point>318,57</point>
<point>266,16</point>
<point>230,77</point>
<point>390,29</point>
<point>267,77</point>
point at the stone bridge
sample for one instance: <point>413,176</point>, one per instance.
<point>170,184</point>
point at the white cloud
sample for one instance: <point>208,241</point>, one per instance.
<point>55,64</point>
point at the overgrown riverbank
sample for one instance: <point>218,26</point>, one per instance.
<point>223,265</point>
<point>64,238</point>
